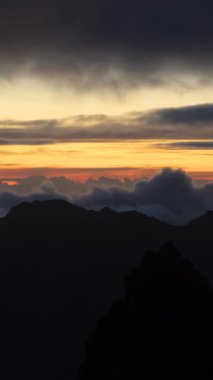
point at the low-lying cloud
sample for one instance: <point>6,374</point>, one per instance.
<point>171,195</point>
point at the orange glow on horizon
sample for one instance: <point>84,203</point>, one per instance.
<point>10,183</point>
<point>11,176</point>
<point>120,159</point>
<point>103,156</point>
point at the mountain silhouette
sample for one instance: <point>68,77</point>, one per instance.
<point>162,328</point>
<point>61,266</point>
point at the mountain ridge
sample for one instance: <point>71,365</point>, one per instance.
<point>107,211</point>
<point>161,325</point>
<point>61,265</point>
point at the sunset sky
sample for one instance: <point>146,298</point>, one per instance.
<point>105,88</point>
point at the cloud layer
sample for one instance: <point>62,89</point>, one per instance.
<point>192,122</point>
<point>121,41</point>
<point>170,195</point>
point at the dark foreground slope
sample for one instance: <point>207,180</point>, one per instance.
<point>60,268</point>
<point>161,329</point>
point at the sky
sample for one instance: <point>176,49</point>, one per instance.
<point>105,88</point>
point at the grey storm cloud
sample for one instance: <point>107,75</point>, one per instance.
<point>192,122</point>
<point>170,195</point>
<point>82,38</point>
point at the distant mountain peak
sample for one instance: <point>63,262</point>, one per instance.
<point>163,324</point>
<point>48,207</point>
<point>108,211</point>
<point>206,218</point>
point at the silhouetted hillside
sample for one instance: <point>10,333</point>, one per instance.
<point>162,327</point>
<point>60,269</point>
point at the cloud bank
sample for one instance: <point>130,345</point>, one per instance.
<point>192,122</point>
<point>170,195</point>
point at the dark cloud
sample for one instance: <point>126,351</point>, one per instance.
<point>9,199</point>
<point>170,195</point>
<point>62,185</point>
<point>112,38</point>
<point>41,188</point>
<point>193,122</point>
<point>203,145</point>
<point>190,115</point>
